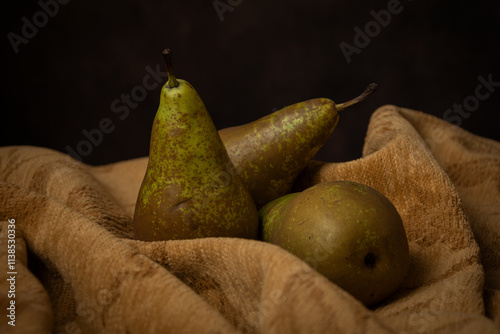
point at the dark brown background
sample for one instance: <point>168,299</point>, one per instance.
<point>262,56</point>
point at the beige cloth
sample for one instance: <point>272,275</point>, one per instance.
<point>80,271</point>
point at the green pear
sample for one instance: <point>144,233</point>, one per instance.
<point>270,152</point>
<point>348,231</point>
<point>191,189</point>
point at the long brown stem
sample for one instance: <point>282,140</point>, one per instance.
<point>167,57</point>
<point>370,89</point>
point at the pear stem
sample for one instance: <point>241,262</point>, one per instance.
<point>370,89</point>
<point>167,57</point>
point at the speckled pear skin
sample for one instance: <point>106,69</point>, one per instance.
<point>270,152</point>
<point>272,215</point>
<point>348,231</point>
<point>191,189</point>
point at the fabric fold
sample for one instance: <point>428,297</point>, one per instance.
<point>79,270</point>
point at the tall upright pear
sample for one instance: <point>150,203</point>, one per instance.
<point>191,189</point>
<point>270,152</point>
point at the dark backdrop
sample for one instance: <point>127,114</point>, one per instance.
<point>255,57</point>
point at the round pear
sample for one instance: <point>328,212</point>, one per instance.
<point>348,231</point>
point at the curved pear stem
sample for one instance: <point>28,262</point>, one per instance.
<point>167,57</point>
<point>370,89</point>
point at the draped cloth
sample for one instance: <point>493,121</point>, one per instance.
<point>78,268</point>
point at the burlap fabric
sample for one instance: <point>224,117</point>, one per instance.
<point>80,271</point>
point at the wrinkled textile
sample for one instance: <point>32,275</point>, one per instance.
<point>79,270</point>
